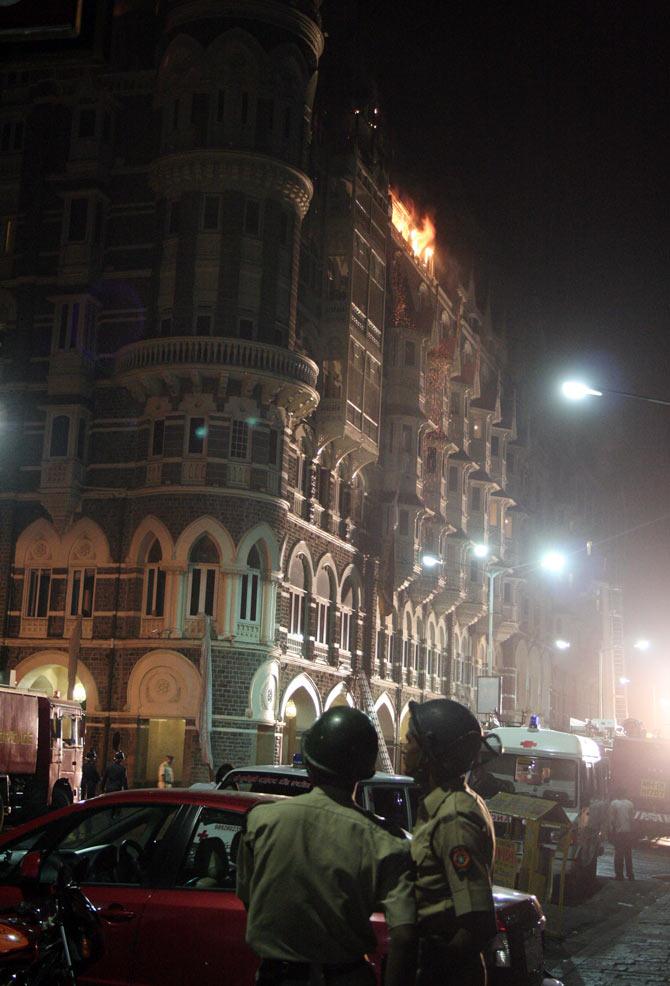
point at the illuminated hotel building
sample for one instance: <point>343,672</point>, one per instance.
<point>240,389</point>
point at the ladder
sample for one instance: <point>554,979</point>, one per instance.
<point>367,703</point>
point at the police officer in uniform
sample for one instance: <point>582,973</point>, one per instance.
<point>453,846</point>
<point>312,869</point>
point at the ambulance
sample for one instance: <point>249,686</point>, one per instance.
<point>560,767</point>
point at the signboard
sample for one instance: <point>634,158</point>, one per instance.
<point>650,788</point>
<point>489,689</point>
<point>505,865</point>
<point>18,733</point>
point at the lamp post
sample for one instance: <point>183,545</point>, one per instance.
<point>552,561</point>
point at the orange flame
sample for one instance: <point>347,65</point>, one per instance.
<point>418,232</point>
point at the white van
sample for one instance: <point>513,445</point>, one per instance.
<point>561,767</point>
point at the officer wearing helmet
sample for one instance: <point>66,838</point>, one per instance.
<point>453,845</point>
<point>115,777</point>
<point>90,778</point>
<point>311,870</point>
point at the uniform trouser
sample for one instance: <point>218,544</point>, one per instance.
<point>438,966</point>
<point>274,973</point>
<point>623,854</point>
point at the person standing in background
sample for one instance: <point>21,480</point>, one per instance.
<point>165,772</point>
<point>621,817</point>
<point>115,777</point>
<point>90,778</point>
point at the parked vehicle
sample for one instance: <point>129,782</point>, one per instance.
<point>561,767</point>
<point>41,752</point>
<point>392,796</point>
<point>641,769</point>
<point>159,865</point>
<point>53,933</point>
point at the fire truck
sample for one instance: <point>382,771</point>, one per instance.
<point>640,769</point>
<point>41,752</point>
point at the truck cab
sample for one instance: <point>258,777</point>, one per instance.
<point>41,752</point>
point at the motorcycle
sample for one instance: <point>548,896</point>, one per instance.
<point>53,933</point>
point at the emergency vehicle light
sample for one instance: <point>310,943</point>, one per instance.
<point>297,760</point>
<point>534,722</point>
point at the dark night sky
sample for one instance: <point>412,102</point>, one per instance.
<point>537,132</point>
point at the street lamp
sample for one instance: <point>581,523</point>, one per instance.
<point>642,644</point>
<point>554,562</point>
<point>577,390</point>
<point>480,550</point>
<point>623,680</point>
<point>429,561</point>
<point>562,644</point>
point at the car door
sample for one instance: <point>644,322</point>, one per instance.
<point>118,849</point>
<point>193,927</point>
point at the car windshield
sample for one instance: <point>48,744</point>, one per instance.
<point>538,776</point>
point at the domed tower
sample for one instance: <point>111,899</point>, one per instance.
<point>233,103</point>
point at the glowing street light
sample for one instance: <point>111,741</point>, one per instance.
<point>480,550</point>
<point>623,680</point>
<point>554,562</point>
<point>642,644</point>
<point>575,390</point>
<point>429,561</point>
<point>562,644</point>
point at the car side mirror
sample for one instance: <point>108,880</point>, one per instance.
<point>30,866</point>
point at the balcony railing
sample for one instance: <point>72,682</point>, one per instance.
<point>215,352</point>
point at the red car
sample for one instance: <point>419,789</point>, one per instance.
<point>160,867</point>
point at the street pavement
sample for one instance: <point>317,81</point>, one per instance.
<point>621,935</point>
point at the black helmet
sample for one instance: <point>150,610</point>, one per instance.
<point>91,755</point>
<point>342,742</point>
<point>119,756</point>
<point>448,734</point>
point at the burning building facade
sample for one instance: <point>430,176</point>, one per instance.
<point>242,400</point>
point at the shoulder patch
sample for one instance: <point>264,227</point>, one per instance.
<point>461,860</point>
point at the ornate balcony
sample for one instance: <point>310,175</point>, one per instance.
<point>154,366</point>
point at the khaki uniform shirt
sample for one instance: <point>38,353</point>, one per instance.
<point>311,871</point>
<point>453,846</point>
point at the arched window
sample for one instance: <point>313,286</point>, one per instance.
<point>296,577</point>
<point>347,609</point>
<point>82,589</point>
<point>203,569</point>
<point>417,646</point>
<point>430,654</point>
<point>407,642</point>
<point>323,599</point>
<point>250,609</point>
<point>154,581</point>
